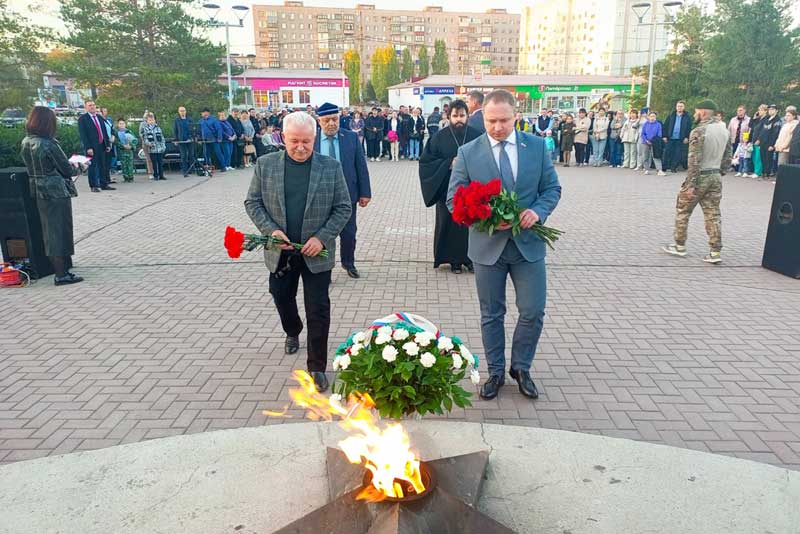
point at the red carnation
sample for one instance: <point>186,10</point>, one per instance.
<point>494,187</point>
<point>234,242</point>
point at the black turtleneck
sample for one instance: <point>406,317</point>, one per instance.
<point>296,178</point>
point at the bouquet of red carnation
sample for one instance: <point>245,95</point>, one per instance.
<point>487,206</point>
<point>236,242</point>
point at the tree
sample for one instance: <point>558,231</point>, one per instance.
<point>21,62</point>
<point>385,71</point>
<point>352,69</point>
<point>424,62</point>
<point>141,55</point>
<point>714,57</point>
<point>440,63</point>
<point>407,70</point>
<point>369,92</point>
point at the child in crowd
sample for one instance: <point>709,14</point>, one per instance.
<point>568,139</point>
<point>154,140</point>
<point>743,154</point>
<point>126,146</point>
<point>550,144</point>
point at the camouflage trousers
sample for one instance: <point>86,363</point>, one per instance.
<point>126,161</point>
<point>705,190</point>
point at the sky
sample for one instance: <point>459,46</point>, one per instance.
<point>242,40</point>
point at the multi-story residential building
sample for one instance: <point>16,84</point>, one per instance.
<point>296,36</point>
<point>591,37</point>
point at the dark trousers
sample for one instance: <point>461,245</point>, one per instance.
<point>95,171</point>
<point>373,148</point>
<point>675,153</point>
<point>216,149</point>
<point>108,156</point>
<point>283,287</point>
<point>581,155</point>
<point>237,155</point>
<point>348,241</point>
<point>769,161</point>
<point>158,165</point>
<point>186,156</point>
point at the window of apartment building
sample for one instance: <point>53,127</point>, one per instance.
<point>283,15</point>
<point>419,28</point>
<point>419,38</point>
<point>292,26</point>
<point>274,64</point>
<point>283,25</point>
<point>287,96</point>
<point>291,16</point>
<point>305,96</point>
<point>300,26</point>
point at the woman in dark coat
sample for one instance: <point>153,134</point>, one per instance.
<point>50,175</point>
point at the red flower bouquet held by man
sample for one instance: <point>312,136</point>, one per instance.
<point>236,242</point>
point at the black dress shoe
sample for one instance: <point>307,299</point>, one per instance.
<point>67,279</point>
<point>352,272</point>
<point>108,188</point>
<point>456,269</point>
<point>492,387</point>
<point>320,380</point>
<point>292,344</point>
<point>525,383</point>
<point>470,267</point>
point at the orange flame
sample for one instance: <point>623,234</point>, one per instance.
<point>385,452</point>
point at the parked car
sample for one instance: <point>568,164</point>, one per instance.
<point>12,117</point>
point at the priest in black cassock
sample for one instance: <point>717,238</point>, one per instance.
<point>435,165</point>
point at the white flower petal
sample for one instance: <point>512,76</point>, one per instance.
<point>344,361</point>
<point>445,343</point>
<point>382,339</point>
<point>355,348</point>
<point>389,353</point>
<point>475,377</point>
<point>360,337</point>
<point>385,331</point>
<point>427,360</point>
<point>400,334</point>
<point>457,361</point>
<point>411,348</point>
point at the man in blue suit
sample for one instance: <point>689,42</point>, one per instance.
<point>523,164</point>
<point>343,145</point>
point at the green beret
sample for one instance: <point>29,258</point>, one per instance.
<point>706,104</point>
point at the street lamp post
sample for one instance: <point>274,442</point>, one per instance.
<point>241,13</point>
<point>644,7</point>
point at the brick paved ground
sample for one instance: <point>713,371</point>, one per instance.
<point>167,336</point>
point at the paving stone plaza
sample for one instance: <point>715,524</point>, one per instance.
<point>168,336</point>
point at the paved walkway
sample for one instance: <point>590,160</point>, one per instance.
<point>168,336</point>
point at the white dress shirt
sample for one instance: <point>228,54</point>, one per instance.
<point>511,150</point>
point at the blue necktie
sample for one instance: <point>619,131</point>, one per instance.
<point>506,173</point>
<point>331,147</point>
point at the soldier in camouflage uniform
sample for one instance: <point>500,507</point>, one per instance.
<point>126,145</point>
<point>709,159</point>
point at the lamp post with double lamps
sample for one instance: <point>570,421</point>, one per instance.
<point>240,12</point>
<point>640,10</point>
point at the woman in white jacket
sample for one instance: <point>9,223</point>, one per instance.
<point>630,140</point>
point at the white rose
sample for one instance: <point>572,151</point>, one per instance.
<point>457,361</point>
<point>344,362</point>
<point>400,334</point>
<point>411,348</point>
<point>382,339</point>
<point>385,331</point>
<point>389,353</point>
<point>360,337</point>
<point>467,354</point>
<point>424,339</point>
<point>427,360</point>
<point>475,377</point>
<point>337,363</point>
<point>445,343</point>
<point>355,348</point>
<point>336,400</point>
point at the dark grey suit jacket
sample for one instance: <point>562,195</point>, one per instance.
<point>476,121</point>
<point>327,206</point>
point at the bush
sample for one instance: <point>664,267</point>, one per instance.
<point>11,139</point>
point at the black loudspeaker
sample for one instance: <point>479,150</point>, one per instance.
<point>782,249</point>
<point>20,228</point>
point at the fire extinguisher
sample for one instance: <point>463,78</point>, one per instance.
<point>11,276</point>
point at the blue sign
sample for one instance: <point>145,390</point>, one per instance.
<point>416,90</point>
<point>439,90</point>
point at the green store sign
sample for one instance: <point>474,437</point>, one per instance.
<point>537,91</point>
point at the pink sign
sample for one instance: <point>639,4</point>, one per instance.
<point>275,84</point>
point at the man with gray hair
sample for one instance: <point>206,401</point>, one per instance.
<point>299,196</point>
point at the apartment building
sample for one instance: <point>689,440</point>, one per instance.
<point>296,36</point>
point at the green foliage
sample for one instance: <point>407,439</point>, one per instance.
<point>424,62</point>
<point>21,63</point>
<point>404,386</point>
<point>714,57</point>
<point>352,69</point>
<point>369,92</point>
<point>140,55</point>
<point>407,70</point>
<point>385,71</point>
<point>11,138</point>
<point>440,64</point>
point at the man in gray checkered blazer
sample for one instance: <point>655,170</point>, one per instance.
<point>301,196</point>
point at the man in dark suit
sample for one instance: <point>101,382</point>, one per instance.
<point>676,138</point>
<point>524,166</point>
<point>475,105</point>
<point>95,145</point>
<point>343,145</point>
<point>237,156</point>
<point>301,197</point>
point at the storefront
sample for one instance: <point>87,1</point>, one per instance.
<point>274,89</point>
<point>533,93</point>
